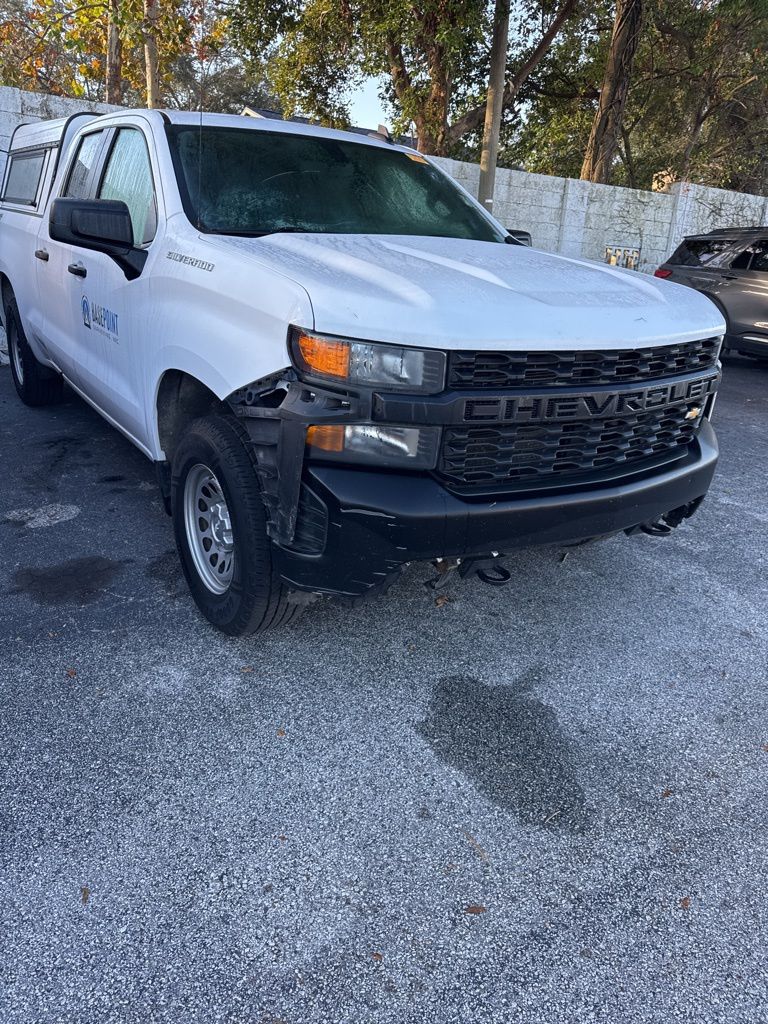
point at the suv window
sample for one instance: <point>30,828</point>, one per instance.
<point>80,171</point>
<point>24,178</point>
<point>128,176</point>
<point>698,252</point>
<point>754,257</point>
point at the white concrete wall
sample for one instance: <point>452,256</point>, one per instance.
<point>577,218</point>
<point>19,107</point>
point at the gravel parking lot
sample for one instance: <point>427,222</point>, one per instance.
<point>545,803</point>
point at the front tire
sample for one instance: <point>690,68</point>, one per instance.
<point>220,526</point>
<point>35,384</point>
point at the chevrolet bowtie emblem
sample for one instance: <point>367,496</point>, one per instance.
<point>694,413</point>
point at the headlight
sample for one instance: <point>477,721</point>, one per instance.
<point>391,367</point>
<point>406,447</point>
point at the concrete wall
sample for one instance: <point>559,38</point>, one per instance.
<point>575,218</point>
<point>19,107</point>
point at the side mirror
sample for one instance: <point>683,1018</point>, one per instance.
<point>523,237</point>
<point>100,224</point>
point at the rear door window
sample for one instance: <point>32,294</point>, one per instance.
<point>79,180</point>
<point>23,179</point>
<point>699,252</point>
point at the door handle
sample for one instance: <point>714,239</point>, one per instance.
<point>77,269</point>
<point>42,254</point>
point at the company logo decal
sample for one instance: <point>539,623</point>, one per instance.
<point>100,319</point>
<point>189,261</point>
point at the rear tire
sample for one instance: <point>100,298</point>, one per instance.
<point>35,384</point>
<point>220,526</point>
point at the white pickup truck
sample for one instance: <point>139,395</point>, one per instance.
<point>337,360</point>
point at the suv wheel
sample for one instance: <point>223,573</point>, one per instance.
<point>221,531</point>
<point>35,384</point>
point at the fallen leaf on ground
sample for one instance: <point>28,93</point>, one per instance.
<point>475,909</point>
<point>71,673</point>
<point>476,846</point>
<point>281,733</point>
<point>765,748</point>
<point>282,838</point>
<point>685,902</point>
<point>247,668</point>
<point>442,599</point>
<point>666,793</point>
<point>85,893</point>
<point>377,957</point>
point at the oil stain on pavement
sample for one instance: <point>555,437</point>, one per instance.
<point>510,746</point>
<point>77,581</point>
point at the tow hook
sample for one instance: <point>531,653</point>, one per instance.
<point>488,570</point>
<point>654,528</point>
<point>657,529</point>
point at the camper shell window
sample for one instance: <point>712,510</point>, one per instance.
<point>23,179</point>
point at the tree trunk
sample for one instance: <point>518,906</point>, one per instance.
<point>493,104</point>
<point>475,116</point>
<point>151,58</point>
<point>606,126</point>
<point>114,78</point>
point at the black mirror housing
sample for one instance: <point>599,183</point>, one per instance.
<point>100,224</point>
<point>523,237</point>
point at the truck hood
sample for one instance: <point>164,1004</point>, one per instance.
<point>453,293</point>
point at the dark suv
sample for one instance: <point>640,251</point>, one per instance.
<point>731,267</point>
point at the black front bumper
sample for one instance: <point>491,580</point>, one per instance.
<point>377,520</point>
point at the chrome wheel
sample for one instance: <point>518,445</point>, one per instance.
<point>15,352</point>
<point>208,528</point>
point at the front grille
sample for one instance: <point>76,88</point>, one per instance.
<point>526,455</point>
<point>561,369</point>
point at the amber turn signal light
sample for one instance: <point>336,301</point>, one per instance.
<point>328,437</point>
<point>327,356</point>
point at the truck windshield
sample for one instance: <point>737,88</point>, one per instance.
<point>240,181</point>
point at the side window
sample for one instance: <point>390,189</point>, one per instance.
<point>760,258</point>
<point>128,176</point>
<point>80,171</point>
<point>741,262</point>
<point>23,178</point>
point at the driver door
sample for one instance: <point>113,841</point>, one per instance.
<point>115,321</point>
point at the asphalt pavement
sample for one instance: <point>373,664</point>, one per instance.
<point>543,803</point>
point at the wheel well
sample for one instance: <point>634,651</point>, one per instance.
<point>182,398</point>
<point>6,293</point>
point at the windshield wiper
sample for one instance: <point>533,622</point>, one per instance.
<point>270,231</point>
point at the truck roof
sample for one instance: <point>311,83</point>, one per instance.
<point>194,119</point>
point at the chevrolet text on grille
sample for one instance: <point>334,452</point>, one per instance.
<point>597,404</point>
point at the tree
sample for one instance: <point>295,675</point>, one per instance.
<point>114,73</point>
<point>151,54</point>
<point>608,122</point>
<point>494,102</point>
<point>433,56</point>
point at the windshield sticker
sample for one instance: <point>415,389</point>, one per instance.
<point>99,318</point>
<point>190,261</point>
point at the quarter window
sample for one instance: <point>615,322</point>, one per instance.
<point>128,176</point>
<point>24,178</point>
<point>85,159</point>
